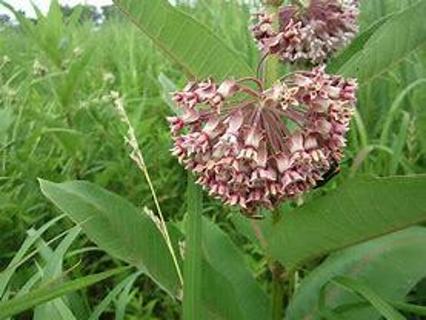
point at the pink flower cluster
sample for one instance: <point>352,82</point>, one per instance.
<point>255,148</point>
<point>307,34</point>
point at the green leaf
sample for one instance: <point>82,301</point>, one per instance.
<point>392,265</point>
<point>411,308</point>
<point>50,292</point>
<point>395,107</point>
<point>356,45</point>
<point>382,52</point>
<point>421,127</point>
<point>19,256</point>
<point>103,305</point>
<point>167,87</point>
<point>384,308</point>
<point>399,143</point>
<point>117,227</point>
<point>219,298</point>
<point>194,47</point>
<point>193,256</point>
<point>68,87</point>
<point>6,120</point>
<point>359,210</point>
<point>123,300</point>
<point>72,141</point>
<point>225,257</point>
<point>229,290</point>
<point>53,269</point>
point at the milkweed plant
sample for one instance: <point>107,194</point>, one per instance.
<point>258,143</point>
<point>256,147</point>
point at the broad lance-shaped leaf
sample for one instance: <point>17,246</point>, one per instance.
<point>225,257</point>
<point>366,293</point>
<point>229,290</point>
<point>117,227</point>
<point>391,265</point>
<point>359,210</point>
<point>194,47</point>
<point>357,45</point>
<point>219,299</point>
<point>401,35</point>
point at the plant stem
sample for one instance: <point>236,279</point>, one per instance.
<point>278,281</point>
<point>192,261</point>
<point>270,75</point>
<point>278,291</point>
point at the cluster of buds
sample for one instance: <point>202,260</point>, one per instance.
<point>312,33</point>
<point>257,147</point>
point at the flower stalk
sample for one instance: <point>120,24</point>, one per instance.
<point>278,291</point>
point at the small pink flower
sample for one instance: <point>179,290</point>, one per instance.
<point>308,34</point>
<point>263,147</point>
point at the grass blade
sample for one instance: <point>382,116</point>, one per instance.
<point>383,307</point>
<point>50,292</point>
<point>20,255</point>
<point>103,305</point>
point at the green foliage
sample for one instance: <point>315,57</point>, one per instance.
<point>226,258</point>
<point>50,292</point>
<point>380,54</point>
<point>21,255</point>
<point>117,227</point>
<point>357,211</point>
<point>103,305</point>
<point>391,265</point>
<point>105,218</point>
<point>195,48</point>
<point>193,257</point>
<point>56,122</point>
<point>6,120</point>
<point>53,270</point>
<point>384,308</point>
<point>356,46</point>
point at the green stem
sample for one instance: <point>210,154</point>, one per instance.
<point>278,281</point>
<point>271,74</point>
<point>278,291</point>
<point>192,262</point>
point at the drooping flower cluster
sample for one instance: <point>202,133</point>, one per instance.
<point>307,34</point>
<point>255,148</point>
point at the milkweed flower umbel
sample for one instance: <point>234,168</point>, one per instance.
<point>310,34</point>
<point>255,148</point>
